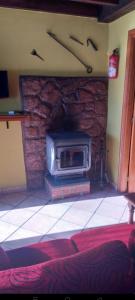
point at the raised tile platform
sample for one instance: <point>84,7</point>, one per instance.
<point>60,188</point>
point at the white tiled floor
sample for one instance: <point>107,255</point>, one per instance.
<point>26,218</point>
<point>99,220</point>
<point>110,210</point>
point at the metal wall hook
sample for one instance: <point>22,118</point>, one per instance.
<point>76,40</point>
<point>90,42</point>
<point>34,52</point>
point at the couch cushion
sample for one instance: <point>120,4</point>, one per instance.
<point>4,260</point>
<point>91,238</point>
<point>40,252</point>
<point>131,244</point>
<point>101,270</point>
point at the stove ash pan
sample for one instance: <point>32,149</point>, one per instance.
<point>68,153</point>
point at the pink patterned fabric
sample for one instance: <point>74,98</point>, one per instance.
<point>104,269</point>
<point>4,260</point>
<point>131,244</point>
<point>94,237</point>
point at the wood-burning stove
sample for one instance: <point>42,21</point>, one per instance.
<point>68,153</point>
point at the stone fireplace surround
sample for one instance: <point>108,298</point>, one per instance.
<point>43,97</point>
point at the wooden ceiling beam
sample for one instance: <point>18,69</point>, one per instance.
<point>97,2</point>
<point>53,6</point>
<point>109,14</point>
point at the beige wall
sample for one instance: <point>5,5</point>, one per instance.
<point>12,171</point>
<point>118,34</point>
<point>20,32</point>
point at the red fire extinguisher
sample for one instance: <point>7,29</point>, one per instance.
<point>113,64</point>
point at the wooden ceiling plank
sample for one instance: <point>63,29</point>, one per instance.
<point>110,14</point>
<point>97,2</point>
<point>56,6</point>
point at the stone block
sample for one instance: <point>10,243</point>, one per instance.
<point>35,180</point>
<point>50,93</point>
<point>30,86</point>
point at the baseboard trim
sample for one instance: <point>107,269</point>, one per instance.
<point>16,189</point>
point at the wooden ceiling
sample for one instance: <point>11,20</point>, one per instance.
<point>103,10</point>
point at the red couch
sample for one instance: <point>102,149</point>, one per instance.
<point>93,261</point>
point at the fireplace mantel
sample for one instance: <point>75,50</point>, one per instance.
<point>7,118</point>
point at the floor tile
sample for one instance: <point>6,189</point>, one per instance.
<point>77,216</point>
<point>61,235</point>
<point>88,205</point>
<point>33,203</point>
<point>40,223</point>
<point>37,199</point>
<point>14,198</point>
<point>111,190</point>
<point>125,216</point>
<point>21,237</point>
<point>54,210</point>
<point>6,230</point>
<point>101,189</point>
<point>110,210</point>
<point>117,200</point>
<point>4,209</point>
<point>67,201</point>
<point>41,194</point>
<point>98,220</point>
<point>17,216</point>
<point>4,246</point>
<point>98,194</point>
<point>46,238</point>
<point>63,229</point>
